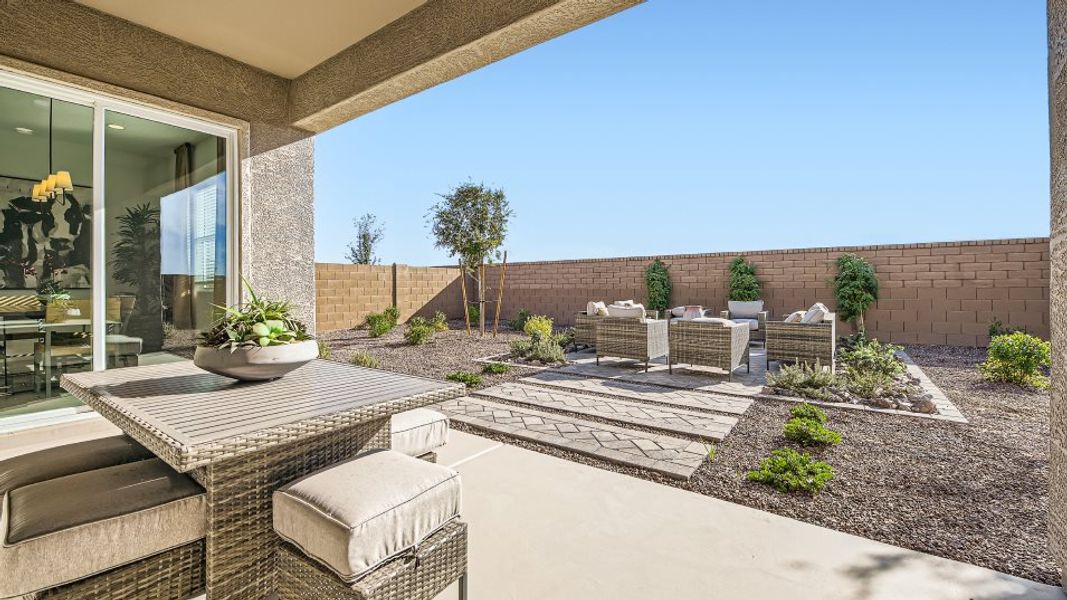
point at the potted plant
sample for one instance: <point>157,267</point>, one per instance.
<point>256,342</point>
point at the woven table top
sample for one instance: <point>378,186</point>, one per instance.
<point>191,418</point>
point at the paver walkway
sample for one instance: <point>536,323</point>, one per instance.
<point>667,455</point>
<point>647,393</point>
<point>659,417</point>
<point>658,375</point>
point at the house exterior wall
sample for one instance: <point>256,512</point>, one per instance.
<point>1057,83</point>
<point>348,293</point>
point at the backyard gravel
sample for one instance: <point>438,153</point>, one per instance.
<point>972,492</point>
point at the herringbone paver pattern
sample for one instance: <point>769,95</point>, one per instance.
<point>667,455</point>
<point>647,393</point>
<point>619,369</point>
<point>660,417</point>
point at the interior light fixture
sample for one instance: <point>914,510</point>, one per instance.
<point>24,130</point>
<point>116,126</point>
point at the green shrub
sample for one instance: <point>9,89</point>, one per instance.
<point>872,384</point>
<point>564,337</point>
<point>812,382</point>
<point>418,331</point>
<point>658,284</point>
<point>519,322</point>
<point>466,378</point>
<point>711,451</point>
<point>808,411</point>
<point>851,342</point>
<point>997,328</point>
<point>439,322</point>
<point>787,470</point>
<point>855,288</point>
<point>324,349</point>
<point>473,313</point>
<point>810,432</point>
<point>364,359</point>
<point>538,326</point>
<point>874,356</point>
<point>495,368</point>
<point>382,323</point>
<point>744,285</point>
<point>1017,358</point>
<point>543,350</point>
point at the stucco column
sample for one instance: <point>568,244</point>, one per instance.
<point>278,217</point>
<point>1057,83</point>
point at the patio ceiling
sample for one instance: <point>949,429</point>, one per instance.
<point>294,67</point>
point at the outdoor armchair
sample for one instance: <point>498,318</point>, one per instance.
<point>749,313</point>
<point>709,343</point>
<point>639,339</point>
<point>803,342</point>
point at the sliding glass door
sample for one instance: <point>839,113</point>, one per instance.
<point>115,237</point>
<point>165,216</point>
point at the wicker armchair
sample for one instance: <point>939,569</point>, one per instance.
<point>710,344</point>
<point>639,339</point>
<point>585,329</point>
<point>803,342</point>
<point>757,334</point>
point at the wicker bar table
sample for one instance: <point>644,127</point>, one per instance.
<point>242,441</point>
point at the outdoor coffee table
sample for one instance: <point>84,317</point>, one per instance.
<point>242,441</point>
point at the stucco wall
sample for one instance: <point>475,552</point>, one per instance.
<point>940,293</point>
<point>347,293</point>
<point>1057,59</point>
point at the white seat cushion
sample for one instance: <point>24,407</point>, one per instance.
<point>416,432</point>
<point>719,320</point>
<point>353,516</point>
<point>744,310</point>
<point>68,528</point>
<point>630,312</point>
<point>753,324</point>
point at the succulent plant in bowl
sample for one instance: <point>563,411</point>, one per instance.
<point>260,340</point>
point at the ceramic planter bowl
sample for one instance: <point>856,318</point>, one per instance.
<point>256,364</point>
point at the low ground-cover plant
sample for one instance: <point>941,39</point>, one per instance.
<point>364,359</point>
<point>873,384</point>
<point>807,411</point>
<point>474,313</point>
<point>495,368</point>
<point>324,350</point>
<point>810,432</point>
<point>998,328</point>
<point>379,324</point>
<point>466,378</point>
<point>787,470</point>
<point>1017,358</point>
<point>439,321</point>
<point>538,349</point>
<point>519,322</point>
<point>538,325</point>
<point>808,381</point>
<point>419,331</point>
<point>872,356</point>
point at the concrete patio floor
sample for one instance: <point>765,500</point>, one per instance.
<point>545,528</point>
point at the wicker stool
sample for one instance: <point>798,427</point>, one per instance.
<point>380,526</point>
<point>419,432</point>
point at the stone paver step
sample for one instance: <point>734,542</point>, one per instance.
<point>648,393</point>
<point>667,455</point>
<point>623,370</point>
<point>654,416</point>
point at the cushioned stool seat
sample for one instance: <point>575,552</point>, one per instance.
<point>356,515</point>
<point>69,459</point>
<point>70,527</point>
<point>419,432</point>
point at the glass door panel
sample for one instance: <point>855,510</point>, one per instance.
<point>165,237</point>
<point>45,248</point>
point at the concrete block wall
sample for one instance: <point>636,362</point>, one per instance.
<point>935,293</point>
<point>347,293</point>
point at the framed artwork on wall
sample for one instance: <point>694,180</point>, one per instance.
<point>42,241</point>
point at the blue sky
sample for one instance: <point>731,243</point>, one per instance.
<point>701,126</point>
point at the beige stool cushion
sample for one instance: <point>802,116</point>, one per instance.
<point>69,459</point>
<point>71,527</point>
<point>416,432</point>
<point>353,516</point>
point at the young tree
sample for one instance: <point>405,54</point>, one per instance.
<point>368,234</point>
<point>470,222</point>
<point>855,287</point>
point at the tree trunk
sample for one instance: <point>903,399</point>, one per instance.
<point>860,327</point>
<point>481,298</point>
